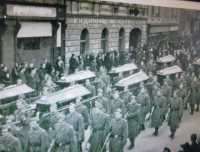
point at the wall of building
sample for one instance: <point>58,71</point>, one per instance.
<point>95,17</point>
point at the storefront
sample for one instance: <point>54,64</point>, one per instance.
<point>32,31</point>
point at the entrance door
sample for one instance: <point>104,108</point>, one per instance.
<point>84,43</point>
<point>135,38</point>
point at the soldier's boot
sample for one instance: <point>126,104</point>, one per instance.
<point>132,144</point>
<point>143,127</point>
<point>192,109</point>
<point>156,131</point>
<point>140,128</point>
<point>185,107</point>
<point>197,109</point>
<point>172,133</point>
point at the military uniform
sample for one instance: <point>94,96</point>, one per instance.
<point>166,91</point>
<point>192,100</point>
<point>176,83</point>
<point>176,108</point>
<point>158,114</point>
<point>106,105</point>
<point>37,140</point>
<point>126,97</point>
<point>115,104</point>
<point>76,120</point>
<point>119,134</point>
<point>100,128</point>
<point>82,110</point>
<point>183,95</point>
<point>91,88</point>
<point>133,121</point>
<point>11,143</point>
<point>144,100</point>
<point>65,137</point>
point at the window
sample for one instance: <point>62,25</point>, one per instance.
<point>84,42</point>
<point>121,39</point>
<point>152,11</point>
<point>104,40</point>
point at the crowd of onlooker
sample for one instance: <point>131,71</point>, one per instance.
<point>187,147</point>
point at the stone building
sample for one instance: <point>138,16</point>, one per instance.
<point>163,23</point>
<point>94,27</point>
<point>31,30</point>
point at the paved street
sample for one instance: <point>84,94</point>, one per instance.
<point>146,142</point>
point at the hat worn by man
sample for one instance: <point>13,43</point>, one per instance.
<point>186,147</point>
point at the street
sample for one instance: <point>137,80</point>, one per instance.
<point>146,142</point>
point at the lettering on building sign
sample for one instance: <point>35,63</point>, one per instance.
<point>19,10</point>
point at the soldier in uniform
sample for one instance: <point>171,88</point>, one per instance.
<point>176,82</point>
<point>119,132</point>
<point>90,87</point>
<point>176,108</point>
<point>82,110</point>
<point>116,103</point>
<point>100,127</point>
<point>158,113</point>
<point>76,120</point>
<point>170,83</point>
<point>192,100</point>
<point>144,100</point>
<point>104,101</point>
<point>126,96</point>
<point>132,116</point>
<point>181,92</point>
<point>100,84</point>
<point>166,91</point>
<point>155,78</point>
<point>9,142</point>
<point>37,138</point>
<point>65,140</point>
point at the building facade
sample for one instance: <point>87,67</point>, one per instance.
<point>163,23</point>
<point>94,27</point>
<point>31,30</point>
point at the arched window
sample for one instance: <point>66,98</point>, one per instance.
<point>104,40</point>
<point>121,39</point>
<point>135,37</point>
<point>84,42</point>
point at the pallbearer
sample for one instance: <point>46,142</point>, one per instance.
<point>76,120</point>
<point>132,116</point>
<point>119,132</point>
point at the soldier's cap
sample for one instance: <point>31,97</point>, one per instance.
<point>118,111</point>
<point>100,90</point>
<point>185,146</point>
<point>72,105</point>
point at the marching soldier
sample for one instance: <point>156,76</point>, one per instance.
<point>126,96</point>
<point>181,92</point>
<point>166,91</point>
<point>82,110</point>
<point>104,101</point>
<point>192,100</point>
<point>76,120</point>
<point>90,87</point>
<point>100,84</point>
<point>158,113</point>
<point>65,140</point>
<point>176,82</point>
<point>133,120</point>
<point>9,142</point>
<point>155,78</point>
<point>170,83</point>
<point>116,103</point>
<point>176,108</point>
<point>119,132</point>
<point>144,100</point>
<point>37,138</point>
<point>100,128</point>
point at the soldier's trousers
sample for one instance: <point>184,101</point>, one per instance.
<point>192,108</point>
<point>116,145</point>
<point>64,148</point>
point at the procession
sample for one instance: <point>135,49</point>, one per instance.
<point>112,100</point>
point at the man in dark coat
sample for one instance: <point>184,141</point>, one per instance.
<point>104,101</point>
<point>90,87</point>
<point>22,76</point>
<point>31,82</point>
<point>194,145</point>
<point>166,91</point>
<point>15,72</point>
<point>132,116</point>
<point>47,66</point>
<point>176,108</point>
<point>119,132</point>
<point>41,73</point>
<point>158,113</point>
<point>72,64</point>
<point>76,120</point>
<point>144,100</point>
<point>100,127</point>
<point>192,100</point>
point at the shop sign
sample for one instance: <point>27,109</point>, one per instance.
<point>33,11</point>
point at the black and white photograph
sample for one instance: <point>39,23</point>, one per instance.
<point>99,76</point>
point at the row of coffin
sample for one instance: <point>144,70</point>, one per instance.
<point>63,97</point>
